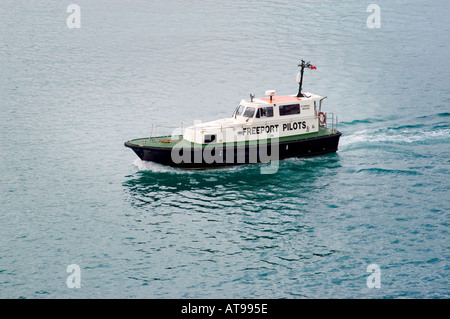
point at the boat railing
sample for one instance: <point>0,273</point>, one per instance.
<point>331,121</point>
<point>176,131</point>
<point>166,129</point>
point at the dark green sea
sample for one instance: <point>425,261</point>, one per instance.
<point>72,194</point>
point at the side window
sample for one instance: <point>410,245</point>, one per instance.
<point>265,112</point>
<point>290,109</point>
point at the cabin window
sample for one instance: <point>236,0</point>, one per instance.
<point>290,109</point>
<point>239,110</point>
<point>265,112</point>
<point>209,138</point>
<point>249,112</point>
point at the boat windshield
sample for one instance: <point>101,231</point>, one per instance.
<point>239,110</point>
<point>249,112</point>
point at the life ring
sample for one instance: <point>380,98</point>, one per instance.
<point>322,118</point>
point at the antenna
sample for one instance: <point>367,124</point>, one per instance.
<point>303,65</point>
<point>270,93</point>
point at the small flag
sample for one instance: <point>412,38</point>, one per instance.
<point>313,67</point>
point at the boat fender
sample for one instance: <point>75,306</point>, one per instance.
<point>322,118</point>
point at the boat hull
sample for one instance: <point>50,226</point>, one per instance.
<point>214,157</point>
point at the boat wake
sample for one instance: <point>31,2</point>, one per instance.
<point>401,136</point>
<point>159,168</point>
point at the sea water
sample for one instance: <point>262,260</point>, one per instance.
<point>82,217</point>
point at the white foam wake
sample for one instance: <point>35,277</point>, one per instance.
<point>403,136</point>
<point>159,168</point>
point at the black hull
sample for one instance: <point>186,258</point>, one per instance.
<point>238,155</point>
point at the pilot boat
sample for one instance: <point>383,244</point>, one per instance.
<point>261,130</point>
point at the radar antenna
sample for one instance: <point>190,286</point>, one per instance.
<point>303,65</point>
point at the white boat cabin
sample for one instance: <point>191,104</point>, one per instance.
<point>262,118</point>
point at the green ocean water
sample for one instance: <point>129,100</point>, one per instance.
<point>71,193</point>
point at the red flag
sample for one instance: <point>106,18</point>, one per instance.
<point>313,67</point>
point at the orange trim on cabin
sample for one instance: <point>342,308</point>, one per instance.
<point>280,99</point>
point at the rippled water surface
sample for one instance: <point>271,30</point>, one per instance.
<point>71,193</point>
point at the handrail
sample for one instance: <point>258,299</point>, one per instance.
<point>176,131</point>
<point>330,120</point>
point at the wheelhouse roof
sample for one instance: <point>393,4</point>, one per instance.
<point>286,98</point>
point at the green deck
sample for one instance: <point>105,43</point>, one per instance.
<point>169,142</point>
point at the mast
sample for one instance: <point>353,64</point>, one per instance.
<point>303,65</point>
